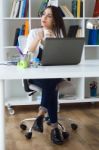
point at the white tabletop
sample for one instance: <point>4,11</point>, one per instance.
<point>74,71</point>
<point>13,72</point>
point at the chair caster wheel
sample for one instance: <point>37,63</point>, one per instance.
<point>65,135</point>
<point>10,110</point>
<point>74,126</point>
<point>23,126</point>
<point>28,135</point>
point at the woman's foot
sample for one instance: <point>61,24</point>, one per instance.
<point>56,136</point>
<point>38,124</point>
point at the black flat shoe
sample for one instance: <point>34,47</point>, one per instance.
<point>56,136</point>
<point>38,124</point>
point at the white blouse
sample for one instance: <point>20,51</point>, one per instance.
<point>32,35</point>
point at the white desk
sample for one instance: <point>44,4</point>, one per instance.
<point>12,72</point>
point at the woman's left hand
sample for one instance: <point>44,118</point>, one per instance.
<point>48,33</point>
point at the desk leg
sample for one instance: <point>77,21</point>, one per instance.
<point>2,116</point>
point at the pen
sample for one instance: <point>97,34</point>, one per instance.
<point>19,50</point>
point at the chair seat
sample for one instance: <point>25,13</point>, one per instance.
<point>34,87</point>
<point>65,87</point>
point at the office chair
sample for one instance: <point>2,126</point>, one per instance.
<point>31,89</point>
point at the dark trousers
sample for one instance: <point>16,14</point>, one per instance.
<point>49,96</point>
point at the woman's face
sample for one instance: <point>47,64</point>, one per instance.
<point>47,20</point>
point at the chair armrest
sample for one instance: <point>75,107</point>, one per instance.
<point>34,88</point>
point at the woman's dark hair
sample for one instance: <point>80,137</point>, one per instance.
<point>59,26</point>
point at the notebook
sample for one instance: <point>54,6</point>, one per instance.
<point>62,51</point>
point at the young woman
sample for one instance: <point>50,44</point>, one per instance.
<point>52,25</point>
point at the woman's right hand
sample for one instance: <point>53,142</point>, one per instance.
<point>39,38</point>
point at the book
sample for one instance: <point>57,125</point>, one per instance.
<point>23,8</point>
<point>16,8</point>
<point>92,37</point>
<point>96,9</point>
<point>42,7</point>
<point>16,36</point>
<point>26,28</point>
<point>79,32</point>
<point>72,31</point>
<point>19,5</point>
<point>26,8</point>
<point>66,11</point>
<point>20,12</point>
<point>74,8</point>
<point>81,8</point>
<point>78,8</point>
<point>13,8</point>
<point>22,30</point>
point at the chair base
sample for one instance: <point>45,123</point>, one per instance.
<point>28,131</point>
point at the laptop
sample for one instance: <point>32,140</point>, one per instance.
<point>62,51</point>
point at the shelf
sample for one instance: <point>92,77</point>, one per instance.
<point>64,18</point>
<point>35,18</point>
<point>91,18</point>
<point>64,101</point>
<point>91,62</point>
<point>72,18</point>
<point>91,99</point>
<point>8,18</point>
<point>79,100</point>
<point>15,101</point>
<point>9,47</point>
<point>23,101</point>
<point>91,45</point>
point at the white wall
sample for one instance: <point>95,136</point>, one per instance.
<point>1,31</point>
